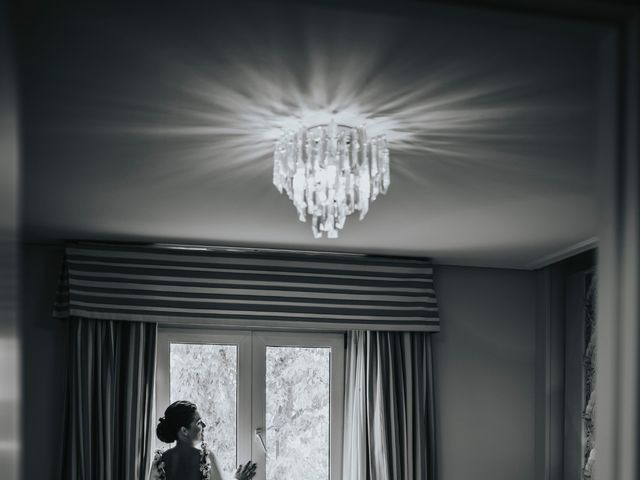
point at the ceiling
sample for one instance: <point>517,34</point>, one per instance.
<point>158,124</point>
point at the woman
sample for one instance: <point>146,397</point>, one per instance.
<point>182,424</point>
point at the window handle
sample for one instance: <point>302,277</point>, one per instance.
<point>260,435</point>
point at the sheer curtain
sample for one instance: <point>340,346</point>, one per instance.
<point>389,424</point>
<point>110,384</point>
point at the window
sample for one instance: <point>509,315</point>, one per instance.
<point>274,398</point>
<point>207,375</point>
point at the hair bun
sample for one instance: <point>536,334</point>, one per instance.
<point>178,414</point>
<point>164,432</point>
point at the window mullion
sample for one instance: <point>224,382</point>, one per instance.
<point>258,399</point>
<point>244,400</point>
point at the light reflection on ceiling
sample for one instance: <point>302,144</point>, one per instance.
<point>187,105</point>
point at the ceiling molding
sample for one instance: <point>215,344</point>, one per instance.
<point>564,253</point>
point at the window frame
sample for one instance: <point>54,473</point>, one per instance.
<point>242,340</point>
<point>335,342</point>
<point>251,383</point>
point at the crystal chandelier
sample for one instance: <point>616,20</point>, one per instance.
<point>330,171</point>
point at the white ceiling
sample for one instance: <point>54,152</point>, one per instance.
<point>158,125</point>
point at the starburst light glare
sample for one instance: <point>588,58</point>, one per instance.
<point>330,171</point>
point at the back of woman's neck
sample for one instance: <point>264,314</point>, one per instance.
<point>185,445</point>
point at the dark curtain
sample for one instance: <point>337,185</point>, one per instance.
<point>110,385</point>
<point>389,418</point>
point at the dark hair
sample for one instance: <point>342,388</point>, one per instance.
<point>178,414</point>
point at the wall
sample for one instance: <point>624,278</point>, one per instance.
<point>484,357</point>
<point>485,361</point>
<point>43,352</point>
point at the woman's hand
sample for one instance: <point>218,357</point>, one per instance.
<point>245,472</point>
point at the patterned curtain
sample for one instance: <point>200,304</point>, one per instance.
<point>389,424</point>
<point>110,384</point>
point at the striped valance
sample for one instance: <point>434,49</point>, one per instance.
<point>247,288</point>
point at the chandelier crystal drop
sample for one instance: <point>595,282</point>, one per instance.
<point>330,171</point>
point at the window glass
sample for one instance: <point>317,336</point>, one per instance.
<point>297,412</point>
<point>207,376</point>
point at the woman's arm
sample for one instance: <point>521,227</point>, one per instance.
<point>157,467</point>
<point>154,474</point>
<point>216,473</point>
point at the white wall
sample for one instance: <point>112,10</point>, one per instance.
<point>484,358</point>
<point>485,366</point>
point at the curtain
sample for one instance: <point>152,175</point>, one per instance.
<point>108,410</point>
<point>248,288</point>
<point>389,417</point>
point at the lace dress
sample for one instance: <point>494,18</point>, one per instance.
<point>158,469</point>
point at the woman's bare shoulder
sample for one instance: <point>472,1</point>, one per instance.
<point>213,459</point>
<point>216,472</point>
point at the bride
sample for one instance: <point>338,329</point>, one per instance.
<point>182,424</point>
